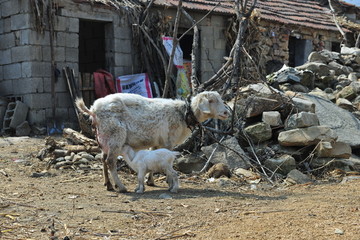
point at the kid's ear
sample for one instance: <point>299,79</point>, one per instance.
<point>204,106</point>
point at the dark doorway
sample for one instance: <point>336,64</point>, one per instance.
<point>186,46</point>
<point>299,50</point>
<point>91,46</point>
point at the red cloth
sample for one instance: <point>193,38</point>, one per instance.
<point>104,83</point>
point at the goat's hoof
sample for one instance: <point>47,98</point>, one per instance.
<point>122,190</point>
<point>150,183</point>
<point>109,187</point>
<point>173,190</point>
<point>139,191</point>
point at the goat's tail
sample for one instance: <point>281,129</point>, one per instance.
<point>82,107</point>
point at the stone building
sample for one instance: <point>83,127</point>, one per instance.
<point>38,41</point>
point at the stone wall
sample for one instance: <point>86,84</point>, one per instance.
<point>25,54</point>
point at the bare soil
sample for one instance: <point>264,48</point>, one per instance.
<point>70,204</point>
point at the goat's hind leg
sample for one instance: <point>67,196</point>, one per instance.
<point>173,180</point>
<point>111,162</point>
<point>140,187</point>
<point>107,181</point>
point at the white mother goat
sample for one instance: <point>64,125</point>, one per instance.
<point>143,123</point>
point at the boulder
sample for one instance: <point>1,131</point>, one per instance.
<point>333,149</point>
<point>320,69</point>
<point>297,177</point>
<point>258,105</point>
<point>233,155</point>
<point>301,120</point>
<point>306,136</point>
<point>348,92</point>
<point>303,105</point>
<point>259,132</point>
<point>273,118</point>
<point>190,163</point>
<point>344,123</point>
<point>350,51</point>
<point>282,164</point>
<point>345,104</point>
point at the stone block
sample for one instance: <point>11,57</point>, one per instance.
<point>46,54</point>
<point>73,25</point>
<point>301,120</point>
<point>7,40</point>
<point>122,46</point>
<point>60,24</point>
<point>282,164</point>
<point>59,54</point>
<point>38,100</point>
<point>9,8</point>
<point>122,33</point>
<point>273,118</point>
<point>26,53</point>
<point>306,136</point>
<point>5,56</point>
<point>72,40</point>
<point>333,149</point>
<point>12,71</point>
<point>303,105</point>
<point>36,116</point>
<point>7,25</point>
<point>227,156</point>
<point>36,69</point>
<point>21,21</point>
<point>64,100</point>
<point>28,85</point>
<point>60,40</point>
<point>259,132</point>
<point>28,36</point>
<point>71,54</point>
<point>6,87</point>
<point>123,60</point>
<point>15,114</point>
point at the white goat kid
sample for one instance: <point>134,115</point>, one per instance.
<point>144,123</point>
<point>156,161</point>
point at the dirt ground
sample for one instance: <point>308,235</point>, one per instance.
<point>69,204</point>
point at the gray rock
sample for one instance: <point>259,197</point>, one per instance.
<point>302,120</point>
<point>334,149</point>
<point>306,136</point>
<point>23,129</point>
<point>258,105</point>
<point>350,51</point>
<point>87,156</point>
<point>303,105</point>
<point>165,196</point>
<point>283,164</point>
<point>273,118</point>
<point>227,155</point>
<point>344,123</point>
<point>345,104</point>
<point>348,92</point>
<point>298,177</point>
<point>259,132</point>
<point>320,69</point>
<point>189,163</point>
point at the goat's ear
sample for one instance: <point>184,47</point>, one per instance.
<point>204,105</point>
